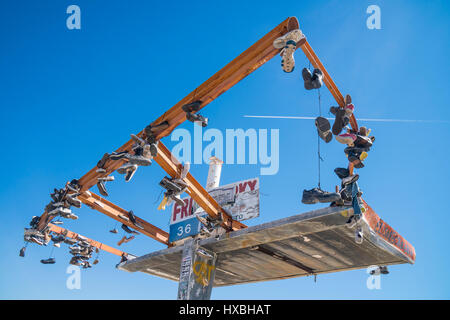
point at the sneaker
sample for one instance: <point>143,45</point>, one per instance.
<point>342,172</point>
<point>346,138</point>
<point>350,179</point>
<point>307,76</point>
<point>363,141</point>
<point>100,170</point>
<point>197,118</point>
<point>101,163</point>
<point>70,241</point>
<point>295,35</point>
<point>192,107</point>
<point>287,56</point>
<point>74,201</point>
<point>130,173</point>
<point>340,121</point>
<point>347,99</point>
<point>22,252</point>
<point>128,230</point>
<point>102,188</point>
<point>323,129</point>
<point>139,160</point>
<point>317,195</point>
<point>133,219</point>
<point>384,270</point>
<point>48,261</point>
<point>317,79</point>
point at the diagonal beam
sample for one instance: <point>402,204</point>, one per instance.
<point>247,62</point>
<point>172,166</point>
<point>117,213</point>
<point>104,206</point>
<point>315,61</point>
<point>99,245</point>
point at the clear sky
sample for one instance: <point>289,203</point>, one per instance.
<point>68,96</point>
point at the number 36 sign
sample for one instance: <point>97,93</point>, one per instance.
<point>239,199</point>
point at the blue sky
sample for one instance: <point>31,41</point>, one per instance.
<point>68,96</point>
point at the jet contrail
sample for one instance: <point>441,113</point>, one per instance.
<point>362,119</point>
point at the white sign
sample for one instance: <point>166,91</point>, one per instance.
<point>240,200</point>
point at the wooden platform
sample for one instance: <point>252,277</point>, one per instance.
<point>314,242</point>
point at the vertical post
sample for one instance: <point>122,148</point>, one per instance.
<point>197,271</point>
<point>215,170</point>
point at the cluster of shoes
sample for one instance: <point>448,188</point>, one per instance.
<point>358,144</point>
<point>174,187</point>
<point>190,110</point>
<point>63,199</point>
<point>288,44</point>
<point>82,251</point>
<point>33,235</point>
<point>208,225</point>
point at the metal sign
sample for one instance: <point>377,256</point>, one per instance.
<point>240,200</point>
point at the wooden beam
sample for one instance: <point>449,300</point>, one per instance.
<point>247,62</point>
<point>73,235</point>
<point>171,165</point>
<point>117,213</point>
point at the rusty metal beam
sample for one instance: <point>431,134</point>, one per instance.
<point>76,236</point>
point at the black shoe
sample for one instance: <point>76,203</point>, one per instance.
<point>22,252</point>
<point>384,270</point>
<point>307,76</point>
<point>102,188</point>
<point>317,195</point>
<point>323,129</point>
<point>119,155</point>
<point>48,261</point>
<point>133,219</point>
<point>363,142</point>
<point>317,79</point>
<point>101,163</point>
<point>128,230</point>
<point>340,120</point>
<point>168,184</point>
<point>197,118</point>
<point>192,107</point>
<point>342,172</point>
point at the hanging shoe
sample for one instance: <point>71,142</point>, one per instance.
<point>363,141</point>
<point>342,172</point>
<point>128,169</point>
<point>101,163</point>
<point>307,76</point>
<point>340,121</point>
<point>139,160</point>
<point>132,218</point>
<point>350,179</point>
<point>346,138</point>
<point>73,201</point>
<point>190,109</point>
<point>128,230</point>
<point>317,79</point>
<point>317,195</point>
<point>288,44</point>
<point>48,261</point>
<point>323,129</point>
<point>114,230</point>
<point>22,252</point>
